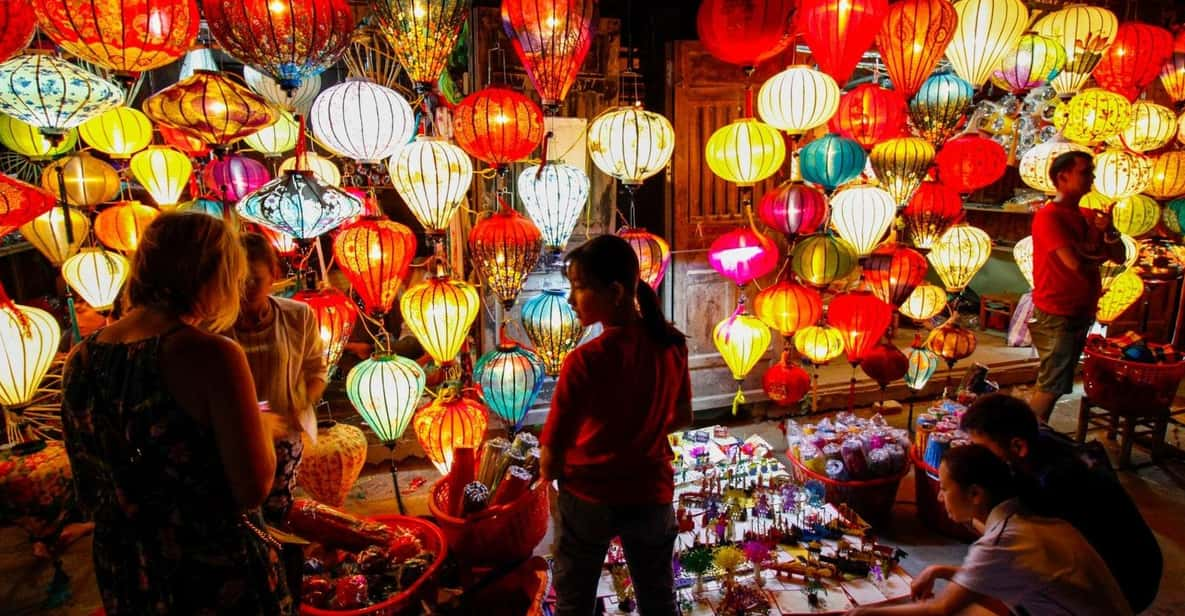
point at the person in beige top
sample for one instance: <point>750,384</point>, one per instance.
<point>284,351</point>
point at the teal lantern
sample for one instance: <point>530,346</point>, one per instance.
<point>385,390</point>
<point>203,205</point>
<point>937,109</point>
<point>510,377</point>
<point>831,160</point>
<point>1174,211</point>
<point>552,326</point>
<point>922,364</point>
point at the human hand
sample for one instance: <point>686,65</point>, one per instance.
<point>923,583</point>
<point>1099,219</point>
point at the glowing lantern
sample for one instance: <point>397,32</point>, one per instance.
<point>630,143</point>
<point>329,467</point>
<point>121,35</point>
<point>793,208</point>
<point>361,120</point>
<point>97,275</point>
<point>885,363</point>
<point>741,340</point>
<point>900,165</point>
<point>798,99</point>
<point>432,176</point>
<point>821,259</point>
<point>322,168</point>
<point>869,114</point>
<point>784,382</point>
<point>554,195</point>
<point>20,203</point>
<point>937,108</point>
<point>235,176</point>
<point>119,132</point>
<point>922,364</point>
<point>551,40</point>
<point>743,255</point>
<point>385,390</point>
<point>951,342</point>
<point>47,233</point>
<point>924,303</point>
<point>212,107</point>
<point>164,172</point>
<point>745,152</point>
<point>1109,270</point>
<point>122,225</point>
<point>840,31</point>
<point>28,342</point>
<point>959,254</point>
<point>1168,175</point>
<point>552,327</point>
<point>374,255</point>
<point>298,205</point>
<point>19,23</point>
<point>788,307</point>
<point>335,314</point>
<point>831,160</point>
<point>1135,215</point>
<point>861,318</point>
<point>422,34</point>
<point>1174,215</point>
<point>52,94</point>
<point>1152,127</point>
<point>498,126</point>
<point>88,180</point>
<point>743,32</point>
<point>1134,59</point>
<point>504,247</point>
<point>1022,253</point>
<point>299,101</point>
<point>28,141</point>
<point>1085,32</point>
<point>913,38</point>
<point>932,210</point>
<point>861,215</point>
<point>1030,64</point>
<point>1094,115</point>
<point>183,140</point>
<point>654,254</point>
<point>819,343</point>
<point>1034,163</point>
<point>449,422</point>
<point>1123,292</point>
<point>894,271</point>
<point>1095,201</point>
<point>986,32</point>
<point>969,163</point>
<point>276,139</point>
<point>510,378</point>
<point>213,208</point>
<point>1172,76</point>
<point>1119,173</point>
<point>439,312</point>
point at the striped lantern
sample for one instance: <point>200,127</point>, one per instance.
<point>793,208</point>
<point>88,180</point>
<point>330,466</point>
<point>822,258</point>
<point>798,99</point>
<point>119,132</point>
<point>654,254</point>
<point>1172,76</point>
<point>385,390</point>
<point>335,314</point>
<point>552,326</point>
<point>926,301</point>
<point>1152,127</point>
<point>933,208</point>
<point>97,275</point>
<point>212,107</point>
<point>299,101</point>
<point>741,340</point>
<point>1022,253</point>
<point>819,343</point>
<point>937,108</point>
<point>831,160</point>
<point>432,176</point>
<point>839,32</point>
<point>1134,59</point>
<point>1085,32</point>
<point>125,36</point>
<point>894,271</point>
<point>987,30</point>
<point>1123,291</point>
<point>970,162</point>
<point>745,32</point>
<point>861,215</point>
<point>510,378</point>
<point>235,176</point>
<point>1030,64</point>
<point>449,422</point>
<point>743,255</point>
<point>869,114</point>
<point>47,233</point>
<point>951,342</point>
<point>422,34</point>
<point>960,252</point>
<point>787,307</point>
<point>1109,270</point>
<point>913,38</point>
<point>554,195</point>
<point>1168,175</point>
<point>923,363</point>
<point>498,126</point>
<point>551,40</point>
<point>861,318</point>
<point>885,363</point>
<point>164,172</point>
<point>28,141</point>
<point>900,166</point>
<point>276,139</point>
<point>361,120</point>
<point>439,312</point>
<point>183,140</point>
<point>52,94</point>
<point>122,225</point>
<point>298,205</point>
<point>630,144</point>
<point>1119,173</point>
<point>29,340</point>
<point>504,247</point>
<point>745,152</point>
<point>1135,215</point>
<point>375,255</point>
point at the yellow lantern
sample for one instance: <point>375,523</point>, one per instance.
<point>164,172</point>
<point>959,254</point>
<point>1108,270</point>
<point>28,140</point>
<point>97,275</point>
<point>29,339</point>
<point>89,181</point>
<point>745,152</point>
<point>439,312</point>
<point>433,176</point>
<point>119,132</point>
<point>987,31</point>
<point>1152,126</point>
<point>1085,32</point>
<point>741,339</point>
<point>900,165</point>
<point>1123,292</point>
<point>276,139</point>
<point>47,233</point>
<point>951,342</point>
<point>1034,164</point>
<point>122,225</point>
<point>819,343</point>
<point>323,169</point>
<point>1093,116</point>
<point>822,258</point>
<point>798,99</point>
<point>1022,252</point>
<point>1168,175</point>
<point>630,143</point>
<point>861,215</point>
<point>1095,201</point>
<point>1135,215</point>
<point>1119,173</point>
<point>924,303</point>
<point>1172,77</point>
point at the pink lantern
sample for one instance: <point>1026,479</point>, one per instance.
<point>793,208</point>
<point>233,176</point>
<point>743,255</point>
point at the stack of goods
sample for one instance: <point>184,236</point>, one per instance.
<point>849,448</point>
<point>937,430</point>
<point>1133,347</point>
<point>500,473</point>
<point>744,463</point>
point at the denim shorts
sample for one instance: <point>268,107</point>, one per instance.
<point>1059,341</point>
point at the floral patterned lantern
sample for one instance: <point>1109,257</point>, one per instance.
<point>552,327</point>
<point>1093,115</point>
<point>119,132</point>
<point>122,225</point>
<point>299,205</point>
<point>1034,163</point>
<point>510,378</point>
<point>126,36</point>
<point>361,120</point>
<point>48,234</point>
<point>630,144</point>
<point>654,254</point>
<point>18,22</point>
<point>1119,173</point>
<point>924,303</point>
<point>869,114</point>
<point>498,126</point>
<point>798,99</point>
<point>960,252</point>
<point>822,258</point>
<point>1085,32</point>
<point>933,209</point>
<point>212,107</point>
<point>1031,64</point>
<point>861,318</point>
<point>439,312</point>
<point>52,94</point>
<point>1122,293</point>
<point>235,176</point>
<point>331,465</point>
<point>987,30</point>
<point>745,152</point>
<point>885,363</point>
<point>1022,253</point>
<point>276,139</point>
<point>554,195</point>
<point>969,163</point>
<point>793,208</point>
<point>788,307</point>
<point>784,382</point>
<point>504,247</point>
<point>819,343</point>
<point>937,108</point>
<point>422,34</point>
<point>449,422</point>
<point>742,340</point>
<point>1152,127</point>
<point>375,255</point>
<point>744,33</point>
<point>28,342</point>
<point>164,172</point>
<point>831,160</point>
<point>321,167</point>
<point>1168,175</point>
<point>913,38</point>
<point>29,142</point>
<point>88,180</point>
<point>900,165</point>
<point>840,31</point>
<point>1134,59</point>
<point>20,203</point>
<point>861,215</point>
<point>551,39</point>
<point>894,271</point>
<point>335,314</point>
<point>385,390</point>
<point>432,176</point>
<point>1135,215</point>
<point>743,255</point>
<point>97,275</point>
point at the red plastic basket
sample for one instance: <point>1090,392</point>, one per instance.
<point>873,498</point>
<point>504,534</point>
<point>931,512</point>
<point>1129,387</point>
<point>408,601</point>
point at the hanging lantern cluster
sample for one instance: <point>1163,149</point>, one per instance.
<point>439,312</point>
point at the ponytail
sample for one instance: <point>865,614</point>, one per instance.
<point>657,326</point>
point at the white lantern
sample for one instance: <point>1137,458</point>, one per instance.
<point>361,120</point>
<point>197,59</point>
<point>1152,127</point>
<point>798,99</point>
<point>97,275</point>
<point>987,31</point>
<point>1022,252</point>
<point>1034,164</point>
<point>1085,32</point>
<point>52,94</point>
<point>432,175</point>
<point>323,168</point>
<point>861,215</point>
<point>300,101</point>
<point>959,254</point>
<point>1119,173</point>
<point>630,143</point>
<point>554,198</point>
<point>29,339</point>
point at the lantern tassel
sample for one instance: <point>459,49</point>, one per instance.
<point>738,399</point>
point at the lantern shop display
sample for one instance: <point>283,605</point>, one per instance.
<point>52,94</point>
<point>869,114</point>
<point>97,276</point>
<point>913,38</point>
<point>335,314</point>
<point>124,36</point>
<point>510,378</point>
<point>551,40</point>
<point>164,172</point>
<point>28,140</point>
<point>447,423</point>
<point>787,307</point>
<point>422,34</point>
<point>798,99</point>
<point>743,255</point>
<point>439,312</point>
<point>630,144</point>
<point>432,176</point>
<point>793,208</point>
<point>654,254</point>
<point>861,215</point>
<point>87,181</point>
<point>937,110</point>
<point>745,152</point>
<point>822,258</point>
<point>119,133</point>
<point>361,120</point>
<point>784,382</point>
<point>385,390</point>
<point>744,33</point>
<point>57,235</point>
<point>498,126</point>
<point>375,255</point>
<point>330,466</point>
<point>839,33</point>
<point>504,247</point>
<point>552,326</point>
<point>741,340</point>
<point>554,195</point>
<point>28,341</point>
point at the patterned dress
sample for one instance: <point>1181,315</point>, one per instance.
<point>169,538</point>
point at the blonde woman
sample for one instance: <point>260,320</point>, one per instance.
<point>171,456</point>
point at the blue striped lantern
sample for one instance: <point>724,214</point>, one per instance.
<point>831,160</point>
<point>510,377</point>
<point>552,326</point>
<point>385,391</point>
<point>937,108</point>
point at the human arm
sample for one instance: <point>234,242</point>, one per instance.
<point>684,414</point>
<point>953,599</point>
<point>563,419</point>
<point>923,584</point>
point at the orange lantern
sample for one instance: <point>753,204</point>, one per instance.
<point>439,312</point>
<point>375,254</point>
<point>449,422</point>
<point>869,114</point>
<point>211,106</point>
<point>654,254</point>
<point>912,39</point>
<point>498,126</point>
<point>183,140</point>
<point>744,32</point>
<point>21,203</point>
<point>931,211</point>
<point>862,318</point>
<point>551,40</point>
<point>505,246</point>
<point>335,315</point>
<point>951,342</point>
<point>894,271</point>
<point>126,36</point>
<point>121,226</point>
<point>1134,59</point>
<point>88,181</point>
<point>788,307</point>
<point>330,466</point>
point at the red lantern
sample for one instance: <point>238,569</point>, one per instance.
<point>894,271</point>
<point>190,144</point>
<point>885,363</point>
<point>21,203</point>
<point>1135,58</point>
<point>969,163</point>
<point>126,36</point>
<point>933,208</point>
<point>17,24</point>
<point>551,39</point>
<point>912,39</point>
<point>335,315</point>
<point>497,125</point>
<point>788,307</point>
<point>234,176</point>
<point>786,383</point>
<point>840,31</point>
<point>505,246</point>
<point>862,318</point>
<point>283,243</point>
<point>793,208</point>
<point>375,254</point>
<point>654,254</point>
<point>743,255</point>
<point>745,32</point>
<point>869,114</point>
<point>449,422</point>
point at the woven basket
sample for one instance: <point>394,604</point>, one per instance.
<point>499,535</point>
<point>873,498</point>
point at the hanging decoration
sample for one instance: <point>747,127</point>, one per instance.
<point>330,466</point>
<point>1134,58</point>
<point>498,126</point>
<point>1095,201</point>
<point>869,114</point>
<point>741,340</point>
<point>164,172</point>
<point>1032,63</point>
<point>119,132</point>
<point>276,139</point>
<point>448,422</point>
<point>840,31</point>
<point>951,342</point>
<point>1172,75</point>
<point>831,160</point>
<point>922,364</point>
<point>884,363</point>
<point>183,140</point>
<point>861,318</point>
<point>97,276</point>
<point>1085,32</point>
<point>335,314</point>
<point>925,303</point>
<point>787,307</point>
<point>361,120</point>
<point>822,258</point>
<point>1168,175</point>
<point>793,208</point>
<point>20,203</point>
<point>125,36</point>
<point>422,35</point>
<point>1152,127</point>
<point>432,176</point>
<point>375,255</point>
<point>987,30</point>
<point>784,382</point>
<point>912,39</point>
<point>504,247</point>
<point>510,378</point>
<point>299,101</point>
<point>552,326</point>
<point>743,255</point>
<point>385,390</point>
<point>88,180</point>
<point>321,167</point>
<point>1123,292</point>
<point>19,23</point>
<point>1135,215</point>
<point>931,211</point>
<point>1022,253</point>
<point>212,107</point>
<point>28,342</point>
<point>439,312</point>
<point>551,39</point>
<point>861,214</point>
<point>1034,164</point>
<point>893,271</point>
<point>798,100</point>
<point>235,176</point>
<point>47,233</point>
<point>960,252</point>
<point>1119,173</point>
<point>745,33</point>
<point>745,152</point>
<point>121,226</point>
<point>1108,270</point>
<point>630,144</point>
<point>554,195</point>
<point>654,254</point>
<point>297,204</point>
<point>900,165</point>
<point>29,142</point>
<point>1093,116</point>
<point>969,163</point>
<point>819,343</point>
<point>937,108</point>
<point>52,94</point>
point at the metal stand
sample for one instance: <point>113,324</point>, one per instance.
<point>395,477</point>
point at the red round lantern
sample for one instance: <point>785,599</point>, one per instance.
<point>933,208</point>
<point>17,24</point>
<point>335,314</point>
<point>894,271</point>
<point>869,114</point>
<point>840,31</point>
<point>912,39</point>
<point>505,246</point>
<point>21,203</point>
<point>654,254</point>
<point>190,144</point>
<point>788,307</point>
<point>793,208</point>
<point>449,422</point>
<point>745,32</point>
<point>126,36</point>
<point>885,363</point>
<point>743,255</point>
<point>862,318</point>
<point>497,125</point>
<point>234,176</point>
<point>551,39</point>
<point>786,383</point>
<point>375,254</point>
<point>1134,59</point>
<point>970,162</point>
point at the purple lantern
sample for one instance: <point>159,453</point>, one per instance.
<point>793,208</point>
<point>233,176</point>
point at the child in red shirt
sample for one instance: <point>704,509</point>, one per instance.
<point>605,439</point>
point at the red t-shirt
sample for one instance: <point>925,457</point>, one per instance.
<point>1056,288</point>
<point>617,397</point>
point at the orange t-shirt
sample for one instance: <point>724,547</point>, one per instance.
<point>1056,288</point>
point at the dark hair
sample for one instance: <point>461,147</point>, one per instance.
<point>1065,162</point>
<point>260,250</point>
<point>607,259</point>
<point>1001,418</point>
<point>976,465</point>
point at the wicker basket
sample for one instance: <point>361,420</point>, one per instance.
<point>1129,387</point>
<point>931,512</point>
<point>502,534</point>
<point>873,498</point>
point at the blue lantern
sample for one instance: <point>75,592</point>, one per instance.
<point>552,326</point>
<point>510,377</point>
<point>1175,210</point>
<point>203,205</point>
<point>922,364</point>
<point>937,109</point>
<point>831,160</point>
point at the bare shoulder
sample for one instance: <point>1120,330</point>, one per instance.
<point>196,348</point>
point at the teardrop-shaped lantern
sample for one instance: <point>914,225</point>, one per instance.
<point>913,38</point>
<point>784,382</point>
<point>932,210</point>
<point>552,326</point>
<point>1085,32</point>
<point>894,271</point>
<point>819,343</point>
<point>861,215</point>
<point>937,108</point>
<point>1022,253</point>
<point>745,152</point>
<point>20,203</point>
<point>121,226</point>
<point>744,32</point>
<point>1031,63</point>
<point>235,176</point>
<point>831,160</point>
<point>922,364</point>
<point>1034,164</point>
<point>554,196</point>
<point>335,314</point>
<point>1123,292</point>
<point>952,342</point>
<point>361,120</point>
<point>88,180</point>
<point>861,318</point>
<point>439,312</point>
<point>497,125</point>
<point>449,422</point>
<point>299,205</point>
<point>840,31</point>
<point>299,101</point>
<point>630,144</point>
<point>1152,127</point>
<point>788,307</point>
<point>885,363</point>
<point>551,39</point>
<point>119,132</point>
<point>125,36</point>
<point>97,275</point>
<point>52,94</point>
<point>432,176</point>
<point>654,254</point>
<point>211,106</point>
<point>798,99</point>
<point>1109,270</point>
<point>28,141</point>
<point>1093,116</point>
<point>924,303</point>
<point>183,140</point>
<point>822,258</point>
<point>1168,175</point>
<point>743,255</point>
<point>793,208</point>
<point>385,390</point>
<point>1172,74</point>
<point>969,163</point>
<point>1135,215</point>
<point>422,34</point>
<point>987,30</point>
<point>1119,173</point>
<point>741,340</point>
<point>900,166</point>
<point>510,378</point>
<point>959,254</point>
<point>20,22</point>
<point>869,114</point>
<point>276,139</point>
<point>28,342</point>
<point>164,172</point>
<point>47,233</point>
<point>504,247</point>
<point>375,255</point>
<point>322,168</point>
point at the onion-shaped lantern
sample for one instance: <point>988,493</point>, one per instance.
<point>97,275</point>
<point>931,211</point>
<point>1135,215</point>
<point>28,342</point>
<point>235,176</point>
<point>924,303</point>
<point>784,382</point>
<point>321,167</point>
<point>937,108</point>
<point>361,120</point>
<point>28,141</point>
<point>439,312</point>
<point>1134,59</point>
<point>422,34</point>
<point>329,467</point>
<point>742,32</point>
<point>510,378</point>
<point>894,271</point>
<point>1094,115</point>
<point>88,180</point>
<point>913,38</point>
<point>164,172</point>
<point>554,195</point>
<point>52,94</point>
<point>987,30</point>
<point>798,99</point>
<point>47,233</point>
<point>819,343</point>
<point>385,390</point>
<point>959,254</point>
<point>276,139</point>
<point>840,31</point>
<point>743,255</point>
<point>335,314</point>
<point>1022,253</point>
<point>1119,173</point>
<point>788,307</point>
<point>449,422</point>
<point>862,319</point>
<point>552,326</point>
<point>298,205</point>
<point>861,215</point>
<point>922,364</point>
<point>432,176</point>
<point>119,132</point>
<point>1085,32</point>
<point>122,225</point>
<point>498,126</point>
<point>951,342</point>
<point>375,255</point>
<point>869,114</point>
<point>630,144</point>
<point>126,36</point>
<point>900,165</point>
<point>654,254</point>
<point>20,22</point>
<point>211,106</point>
<point>885,363</point>
<point>969,163</point>
<point>551,39</point>
<point>1152,127</point>
<point>741,340</point>
<point>831,160</point>
<point>183,140</point>
<point>745,152</point>
<point>793,208</point>
<point>822,258</point>
<point>20,203</point>
<point>1034,164</point>
<point>504,247</point>
<point>1032,63</point>
<point>298,101</point>
<point>1123,292</point>
<point>1168,175</point>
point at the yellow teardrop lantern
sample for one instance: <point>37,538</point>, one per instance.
<point>819,343</point>
<point>121,226</point>
<point>1168,175</point>
<point>741,339</point>
<point>119,133</point>
<point>822,258</point>
<point>1022,253</point>
<point>276,139</point>
<point>1093,116</point>
<point>1034,164</point>
<point>1152,126</point>
<point>89,181</point>
<point>323,169</point>
<point>97,275</point>
<point>959,254</point>
<point>47,233</point>
<point>798,99</point>
<point>28,140</point>
<point>1085,32</point>
<point>1119,173</point>
<point>432,176</point>
<point>1124,291</point>
<point>1135,215</point>
<point>900,165</point>
<point>164,172</point>
<point>987,31</point>
<point>1095,201</point>
<point>745,152</point>
<point>924,303</point>
<point>29,340</point>
<point>1108,271</point>
<point>439,312</point>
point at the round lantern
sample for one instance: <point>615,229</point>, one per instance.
<point>335,314</point>
<point>124,36</point>
<point>361,120</point>
<point>276,139</point>
<point>1119,173</point>
<point>183,140</point>
<point>1134,59</point>
<point>1022,253</point>
<point>951,342</point>
<point>1030,64</point>
<point>21,203</point>
<point>745,152</point>
<point>743,32</point>
<point>932,210</point>
<point>922,364</point>
<point>422,34</point>
<point>510,378</point>
<point>894,271</point>
<point>822,258</point>
<point>27,140</point>
<point>449,422</point>
<point>969,163</point>
<point>504,247</point>
<point>831,160</point>
<point>297,204</point>
<point>210,207</point>
<point>322,168</point>
<point>885,363</point>
<point>47,233</point>
<point>212,107</point>
<point>630,143</point>
<point>1175,210</point>
<point>299,101</point>
<point>1095,201</point>
<point>1123,292</point>
<point>552,327</point>
<point>743,255</point>
<point>199,57</point>
<point>374,255</point>
<point>1085,32</point>
<point>987,30</point>
<point>788,307</point>
<point>28,342</point>
<point>654,254</point>
<point>793,208</point>
<point>164,172</point>
<point>88,180</point>
<point>119,132</point>
<point>937,108</point>
<point>819,343</point>
<point>900,165</point>
<point>924,303</point>
<point>1168,175</point>
<point>439,312</point>
<point>869,114</point>
<point>861,215</point>
<point>330,466</point>
<point>741,340</point>
<point>1152,127</point>
<point>385,390</point>
<point>861,318</point>
<point>1172,76</point>
<point>840,31</point>
<point>432,176</point>
<point>1034,164</point>
<point>122,225</point>
<point>959,254</point>
<point>913,38</point>
<point>798,99</point>
<point>235,176</point>
<point>20,22</point>
<point>1135,215</point>
<point>498,126</point>
<point>52,94</point>
<point>97,275</point>
<point>1094,115</point>
<point>554,195</point>
<point>551,40</point>
<point>784,382</point>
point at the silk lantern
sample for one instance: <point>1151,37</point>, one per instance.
<point>119,132</point>
<point>298,101</point>
<point>552,326</point>
<point>432,176</point>
<point>831,160</point>
<point>321,167</point>
<point>330,466</point>
<point>745,152</point>
<point>1134,58</point>
<point>551,40</point>
<point>164,172</point>
<point>510,378</point>
<point>960,252</point>
<point>861,318</point>
<point>122,225</point>
<point>1152,127</point>
<point>1108,270</point>
<point>893,271</point>
<point>183,140</point>
<point>212,107</point>
<point>1022,253</point>
<point>798,99</point>
<point>1172,76</point>
<point>235,176</point>
<point>19,23</point>
<point>861,215</point>
<point>784,382</point>
<point>375,255</point>
<point>1085,32</point>
<point>840,31</point>
<point>1032,63</point>
<point>497,125</point>
<point>554,195</point>
<point>900,165</point>
<point>822,258</point>
<point>744,32</point>
<point>335,314</point>
<point>1119,173</point>
<point>1168,175</point>
<point>1034,163</point>
<point>28,342</point>
<point>1094,115</point>
<point>741,340</point>
<point>951,342</point>
<point>926,302</point>
<point>1135,215</point>
<point>932,210</point>
<point>819,343</point>
<point>885,363</point>
<point>654,254</point>
<point>788,307</point>
<point>504,247</point>
<point>869,114</point>
<point>422,34</point>
<point>937,108</point>
<point>969,163</point>
<point>126,36</point>
<point>987,30</point>
<point>439,312</point>
<point>299,205</point>
<point>97,276</point>
<point>449,422</point>
<point>923,363</point>
<point>28,141</point>
<point>1123,292</point>
<point>361,120</point>
<point>52,94</point>
<point>47,233</point>
<point>1095,201</point>
<point>274,140</point>
<point>793,208</point>
<point>385,390</point>
<point>912,39</point>
<point>630,144</point>
<point>743,255</point>
<point>20,203</point>
<point>88,181</point>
